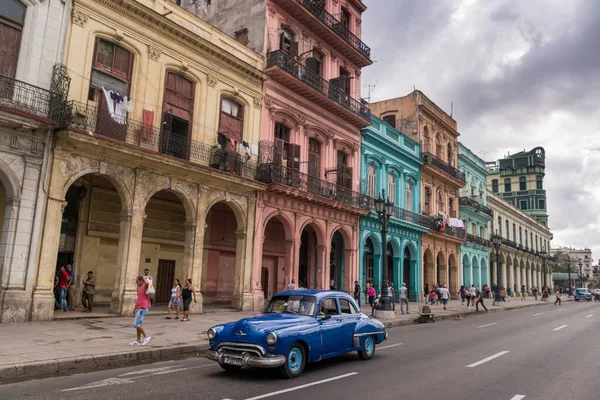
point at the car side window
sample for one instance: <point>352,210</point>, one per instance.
<point>346,307</point>
<point>328,307</point>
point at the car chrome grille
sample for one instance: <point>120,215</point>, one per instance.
<point>240,348</point>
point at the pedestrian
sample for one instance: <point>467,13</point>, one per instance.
<point>597,296</point>
<point>403,298</point>
<point>468,297</point>
<point>479,296</point>
<point>444,295</point>
<point>150,289</point>
<point>523,293</point>
<point>558,298</point>
<point>332,284</point>
<point>357,293</point>
<point>291,285</point>
<point>89,290</point>
<point>142,305</point>
<point>534,290</point>
<point>63,280</point>
<point>391,295</point>
<point>473,292</point>
<point>71,291</point>
<point>371,295</point>
<point>56,291</point>
<point>432,296</point>
<point>545,294</point>
<point>426,291</point>
<point>461,292</point>
<point>175,299</point>
<point>186,295</point>
<point>503,294</point>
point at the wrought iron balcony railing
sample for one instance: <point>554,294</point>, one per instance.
<point>437,225</point>
<point>311,78</point>
<point>28,99</point>
<point>273,173</point>
<point>84,117</point>
<point>475,205</point>
<point>447,168</point>
<point>335,25</point>
<point>509,243</point>
<point>411,217</point>
<point>477,240</point>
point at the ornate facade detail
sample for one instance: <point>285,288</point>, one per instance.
<point>154,53</point>
<point>257,103</point>
<point>79,18</point>
<point>119,35</point>
<point>212,81</point>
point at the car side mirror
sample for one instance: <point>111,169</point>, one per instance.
<point>324,317</point>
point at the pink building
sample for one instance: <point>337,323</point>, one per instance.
<point>307,221</point>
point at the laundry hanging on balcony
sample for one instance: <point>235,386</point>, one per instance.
<point>455,223</point>
<point>118,106</point>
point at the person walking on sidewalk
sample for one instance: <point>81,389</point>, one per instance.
<point>371,295</point>
<point>89,290</point>
<point>71,291</point>
<point>503,294</point>
<point>403,298</point>
<point>473,293</point>
<point>523,293</point>
<point>142,305</point>
<point>468,297</point>
<point>63,284</point>
<point>391,295</point>
<point>357,293</point>
<point>534,291</point>
<point>186,294</point>
<point>444,295</point>
<point>545,294</point>
<point>291,285</point>
<point>175,299</point>
<point>462,294</point>
<point>558,298</point>
<point>479,295</point>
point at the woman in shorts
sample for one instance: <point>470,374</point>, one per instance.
<point>175,299</point>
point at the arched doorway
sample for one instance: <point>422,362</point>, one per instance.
<point>476,276</point>
<point>428,265</point>
<point>440,269</point>
<point>274,259</point>
<point>336,262</point>
<point>466,271</point>
<point>452,276</point>
<point>163,243</point>
<point>220,256</point>
<point>309,258</point>
<point>371,262</point>
<point>407,274</point>
<point>389,253</point>
<point>485,280</point>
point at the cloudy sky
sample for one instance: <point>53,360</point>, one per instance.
<point>521,73</point>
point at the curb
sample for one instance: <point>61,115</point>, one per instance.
<point>69,366</point>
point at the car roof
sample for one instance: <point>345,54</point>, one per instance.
<point>318,293</point>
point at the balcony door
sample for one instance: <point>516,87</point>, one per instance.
<point>344,172</point>
<point>177,115</point>
<point>12,17</point>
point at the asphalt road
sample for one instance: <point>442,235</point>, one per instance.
<point>546,352</point>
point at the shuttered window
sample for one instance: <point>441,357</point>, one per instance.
<point>231,122</point>
<point>392,187</point>
<point>282,143</point>
<point>372,180</point>
<point>314,157</point>
<point>409,196</point>
<point>113,60</point>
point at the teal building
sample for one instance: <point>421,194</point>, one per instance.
<point>391,161</point>
<point>475,216</point>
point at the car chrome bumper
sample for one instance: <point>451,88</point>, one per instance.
<point>248,360</point>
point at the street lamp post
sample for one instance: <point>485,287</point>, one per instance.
<point>384,210</point>
<point>497,241</point>
<point>569,266</point>
<point>580,261</point>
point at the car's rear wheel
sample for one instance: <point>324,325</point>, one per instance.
<point>295,361</point>
<point>368,350</point>
<point>231,368</point>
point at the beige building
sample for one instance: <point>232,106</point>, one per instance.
<point>423,121</point>
<point>156,165</point>
<point>525,243</point>
<point>585,255</point>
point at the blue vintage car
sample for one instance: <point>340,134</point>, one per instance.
<point>296,327</point>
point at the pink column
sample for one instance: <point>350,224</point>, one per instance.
<point>323,266</point>
<point>259,239</point>
<point>289,262</point>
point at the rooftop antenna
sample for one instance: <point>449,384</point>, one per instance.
<point>371,89</point>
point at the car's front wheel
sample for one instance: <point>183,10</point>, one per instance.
<point>295,361</point>
<point>368,350</point>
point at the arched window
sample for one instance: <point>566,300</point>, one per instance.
<point>450,154</point>
<point>392,187</point>
<point>12,18</point>
<point>538,182</point>
<point>314,157</point>
<point>522,183</point>
<point>495,185</point>
<point>440,201</point>
<point>426,140</point>
<point>438,146</point>
<point>372,180</point>
<point>427,201</point>
<point>409,196</point>
<point>231,122</point>
<point>507,185</point>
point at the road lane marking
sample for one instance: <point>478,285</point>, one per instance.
<point>560,327</point>
<point>535,315</point>
<point>591,315</point>
<point>102,383</point>
<point>152,370</point>
<point>264,396</point>
<point>485,326</point>
<point>487,359</point>
<point>518,397</point>
<point>562,309</point>
<point>388,346</point>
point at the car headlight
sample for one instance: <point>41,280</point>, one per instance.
<point>271,338</point>
<point>211,334</point>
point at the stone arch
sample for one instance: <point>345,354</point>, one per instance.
<point>428,268</point>
<point>283,219</point>
<point>441,264</point>
<point>452,269</point>
<point>343,230</point>
<point>288,118</point>
<point>188,203</point>
<point>237,209</point>
<point>376,242</point>
<point>319,230</point>
<point>10,181</point>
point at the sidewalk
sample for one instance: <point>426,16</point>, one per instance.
<point>83,344</point>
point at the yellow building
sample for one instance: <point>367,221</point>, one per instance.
<point>156,165</point>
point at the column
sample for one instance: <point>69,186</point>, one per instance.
<point>349,268</point>
<point>323,266</point>
<point>290,246</point>
<point>503,271</point>
<point>43,295</point>
<point>494,271</point>
<point>518,276</point>
<point>511,277</point>
<point>529,282</point>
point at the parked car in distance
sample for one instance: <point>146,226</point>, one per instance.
<point>295,328</point>
<point>583,294</point>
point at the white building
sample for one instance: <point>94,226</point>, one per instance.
<point>585,255</point>
<point>525,242</point>
<point>33,34</point>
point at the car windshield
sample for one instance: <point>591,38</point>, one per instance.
<point>294,304</point>
<point>582,291</point>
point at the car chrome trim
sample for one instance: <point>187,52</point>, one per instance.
<point>247,359</point>
<point>242,347</point>
<point>368,333</point>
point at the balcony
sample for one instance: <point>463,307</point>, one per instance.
<point>477,240</point>
<point>411,217</point>
<point>80,116</point>
<point>436,225</point>
<point>326,26</point>
<point>455,175</point>
<point>284,179</point>
<point>291,73</point>
<point>475,205</point>
<point>509,243</point>
<point>28,100</point>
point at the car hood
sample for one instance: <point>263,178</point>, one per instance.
<point>249,329</point>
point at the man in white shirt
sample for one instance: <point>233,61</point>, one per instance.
<point>291,285</point>
<point>444,294</point>
<point>403,298</point>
